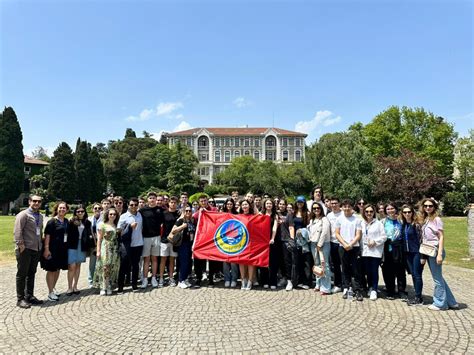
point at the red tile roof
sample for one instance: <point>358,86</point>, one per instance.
<point>30,160</point>
<point>246,131</point>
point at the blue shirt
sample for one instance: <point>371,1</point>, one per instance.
<point>137,235</point>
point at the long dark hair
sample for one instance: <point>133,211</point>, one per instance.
<point>251,209</point>
<point>106,215</point>
<point>264,209</point>
<point>233,210</point>
<point>304,212</point>
<point>312,215</point>
<point>75,218</point>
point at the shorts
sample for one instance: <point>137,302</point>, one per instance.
<point>167,250</point>
<point>151,246</point>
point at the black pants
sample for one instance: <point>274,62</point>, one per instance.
<point>184,260</point>
<point>290,259</point>
<point>200,267</point>
<point>27,263</point>
<point>391,269</point>
<point>351,268</point>
<point>304,261</point>
<point>336,264</point>
<point>129,260</point>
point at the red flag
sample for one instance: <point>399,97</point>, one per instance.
<point>233,238</point>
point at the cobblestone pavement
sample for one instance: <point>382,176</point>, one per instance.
<point>231,320</point>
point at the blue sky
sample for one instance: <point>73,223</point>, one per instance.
<point>91,69</point>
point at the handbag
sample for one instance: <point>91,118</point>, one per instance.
<point>318,270</point>
<point>176,239</point>
<point>428,249</point>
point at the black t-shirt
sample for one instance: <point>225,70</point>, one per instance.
<point>169,219</point>
<point>188,231</point>
<point>284,227</point>
<point>152,220</point>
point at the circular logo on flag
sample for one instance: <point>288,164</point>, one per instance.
<point>231,237</point>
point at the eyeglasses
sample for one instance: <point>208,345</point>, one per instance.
<point>406,212</point>
<point>369,211</point>
<point>187,211</point>
<point>97,209</point>
<point>80,211</point>
<point>36,201</point>
<point>132,204</point>
<point>428,206</point>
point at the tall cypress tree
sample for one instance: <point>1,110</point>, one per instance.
<point>96,172</point>
<point>62,176</point>
<point>82,170</point>
<point>11,158</point>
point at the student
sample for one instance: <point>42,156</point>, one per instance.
<point>186,225</point>
<point>393,266</point>
<point>304,259</point>
<point>170,217</point>
<point>286,230</point>
<point>373,239</point>
<point>94,220</point>
<point>349,233</point>
<point>231,271</point>
<point>269,275</point>
<point>335,258</point>
<point>411,243</point>
<point>433,234</point>
<point>317,195</point>
<point>247,272</point>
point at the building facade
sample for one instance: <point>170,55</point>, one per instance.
<point>215,148</point>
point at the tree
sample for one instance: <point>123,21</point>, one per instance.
<point>464,165</point>
<point>11,158</point>
<point>295,178</point>
<point>62,181</point>
<point>41,154</point>
<point>181,169</point>
<point>151,166</point>
<point>238,174</point>
<point>130,133</point>
<point>82,171</point>
<point>407,178</point>
<point>413,129</point>
<point>342,165</point>
<point>97,177</point>
<point>265,179</point>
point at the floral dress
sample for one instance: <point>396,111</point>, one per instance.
<point>107,267</point>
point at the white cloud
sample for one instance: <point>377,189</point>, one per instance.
<point>166,108</point>
<point>157,136</point>
<point>179,116</point>
<point>241,102</point>
<point>182,126</point>
<point>331,121</point>
<point>314,126</point>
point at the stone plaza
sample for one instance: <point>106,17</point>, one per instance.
<point>216,320</point>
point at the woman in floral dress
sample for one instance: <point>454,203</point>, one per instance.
<point>107,266</point>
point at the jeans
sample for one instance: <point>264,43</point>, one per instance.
<point>442,296</point>
<point>91,271</point>
<point>231,272</point>
<point>184,260</point>
<point>416,270</point>
<point>128,262</point>
<point>324,282</point>
<point>351,268</point>
<point>27,263</point>
<point>371,265</point>
<point>336,264</point>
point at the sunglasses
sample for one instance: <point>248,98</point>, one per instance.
<point>119,203</point>
<point>316,209</point>
<point>36,201</point>
<point>369,211</point>
<point>428,206</point>
<point>80,211</point>
<point>360,203</point>
<point>97,209</point>
<point>406,212</point>
<point>187,211</point>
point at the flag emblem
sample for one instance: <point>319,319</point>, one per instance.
<point>231,237</point>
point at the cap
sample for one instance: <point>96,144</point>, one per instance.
<point>300,199</point>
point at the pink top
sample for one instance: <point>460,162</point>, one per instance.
<point>431,231</point>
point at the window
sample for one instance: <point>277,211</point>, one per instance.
<point>217,142</point>
<point>227,156</point>
<point>27,169</point>
<point>236,154</point>
<point>269,155</point>
<point>247,152</point>
<point>237,142</point>
<point>285,155</point>
<point>298,155</point>
<point>257,142</point>
<point>285,142</point>
<point>203,157</point>
<point>297,142</point>
<point>202,142</point>
<point>189,141</point>
<point>247,142</point>
<point>218,156</point>
<point>256,155</point>
<point>270,141</point>
<point>217,169</point>
<point>227,142</point>
<point>292,141</point>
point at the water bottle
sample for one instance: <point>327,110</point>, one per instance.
<point>350,294</point>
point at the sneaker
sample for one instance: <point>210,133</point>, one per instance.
<point>404,296</point>
<point>120,291</point>
<point>265,286</point>
<point>182,285</point>
<point>154,283</point>
<point>373,295</point>
<point>244,284</point>
<point>56,292</point>
<point>187,283</point>
<point>53,297</point>
<point>210,283</point>
<point>134,289</point>
<point>344,293</point>
<point>197,284</point>
<point>249,286</point>
<point>23,304</point>
<point>417,301</point>
<point>434,308</point>
<point>359,297</point>
<point>109,292</point>
<point>144,283</point>
<point>273,287</point>
<point>227,284</point>
<point>289,286</point>
<point>336,289</point>
<point>233,284</point>
<point>172,283</point>
<point>256,283</point>
<point>454,306</point>
<point>282,283</point>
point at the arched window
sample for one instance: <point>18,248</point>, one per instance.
<point>270,141</point>
<point>218,156</point>
<point>298,155</point>
<point>247,152</point>
<point>256,155</point>
<point>227,156</point>
<point>203,142</point>
<point>236,154</point>
<point>285,155</point>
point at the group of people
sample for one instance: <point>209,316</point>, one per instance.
<point>326,244</point>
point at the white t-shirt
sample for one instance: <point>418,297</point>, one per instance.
<point>332,216</point>
<point>349,226</point>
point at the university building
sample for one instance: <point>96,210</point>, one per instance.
<point>216,147</point>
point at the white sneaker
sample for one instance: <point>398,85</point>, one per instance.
<point>244,284</point>
<point>154,283</point>
<point>187,283</point>
<point>56,292</point>
<point>103,293</point>
<point>289,286</point>
<point>160,283</point>
<point>265,286</point>
<point>52,297</point>
<point>144,283</point>
<point>256,283</point>
<point>109,292</point>
<point>434,308</point>
<point>304,287</point>
<point>249,286</point>
<point>373,295</point>
<point>233,284</point>
<point>273,287</point>
<point>227,284</point>
<point>182,284</point>
<point>336,289</point>
<point>172,282</point>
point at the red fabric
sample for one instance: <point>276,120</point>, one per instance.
<point>240,239</point>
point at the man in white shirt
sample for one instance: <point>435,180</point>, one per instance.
<point>348,233</point>
<point>335,258</point>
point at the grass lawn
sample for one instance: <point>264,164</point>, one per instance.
<point>456,243</point>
